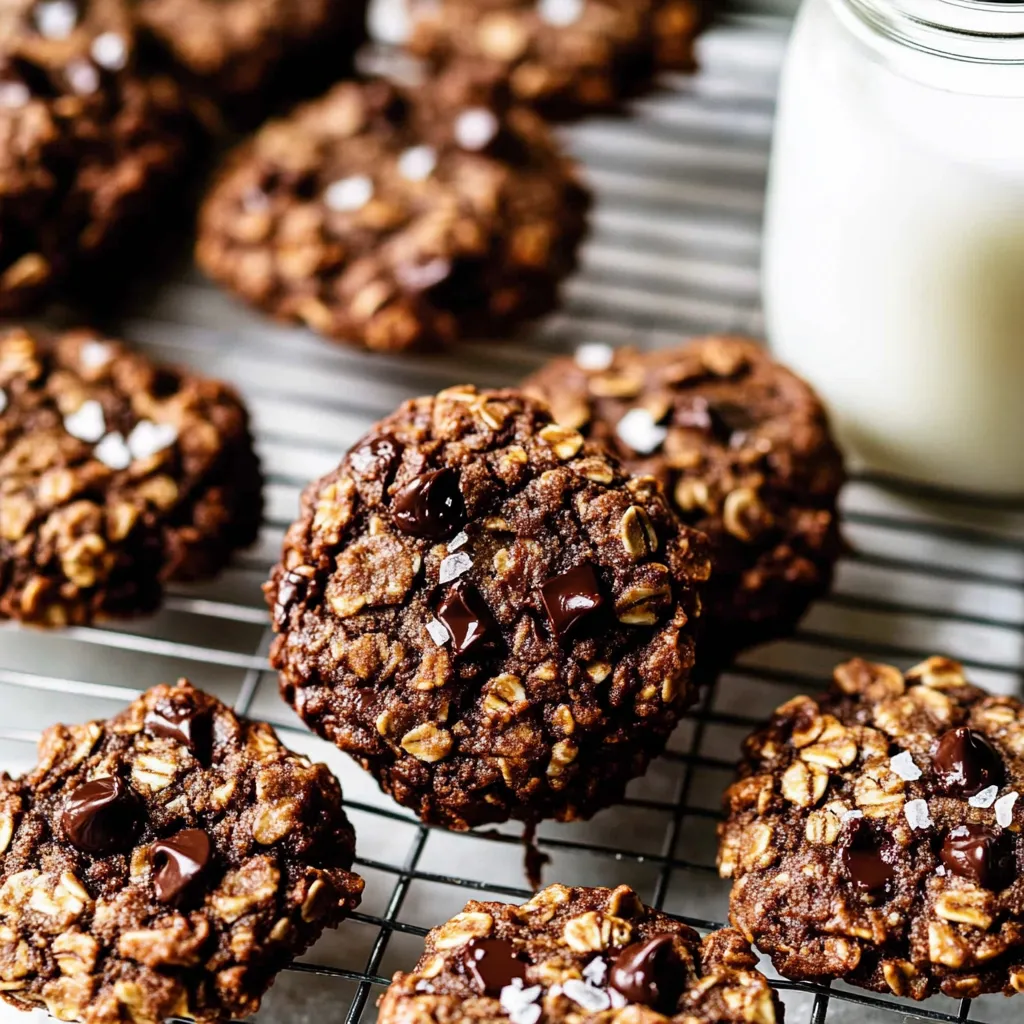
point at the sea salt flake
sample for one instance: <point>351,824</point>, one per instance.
<point>458,541</point>
<point>475,128</point>
<point>917,814</point>
<point>638,429</point>
<point>454,566</point>
<point>82,76</point>
<point>148,438</point>
<point>113,452</point>
<point>903,765</point>
<point>424,986</point>
<point>985,799</point>
<point>110,51</point>
<point>348,194</point>
<point>852,816</point>
<point>560,12</point>
<point>87,422</point>
<point>596,971</point>
<point>590,998</point>
<point>14,95</point>
<point>1004,810</point>
<point>437,632</point>
<point>417,163</point>
<point>594,356</point>
<point>94,354</point>
<point>940,871</point>
<point>56,19</point>
<point>520,1003</point>
<point>388,21</point>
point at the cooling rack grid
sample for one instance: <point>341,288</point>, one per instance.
<point>674,252</point>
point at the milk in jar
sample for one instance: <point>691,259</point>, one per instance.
<point>894,234</point>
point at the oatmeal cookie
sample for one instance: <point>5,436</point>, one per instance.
<point>167,862</point>
<point>115,475</point>
<point>237,48</point>
<point>397,219</point>
<point>875,834</point>
<point>563,57</point>
<point>482,610</point>
<point>743,448</point>
<point>571,954</point>
<point>87,143</point>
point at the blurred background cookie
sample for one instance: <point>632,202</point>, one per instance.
<point>88,144</point>
<point>744,451</point>
<point>397,219</point>
<point>116,475</point>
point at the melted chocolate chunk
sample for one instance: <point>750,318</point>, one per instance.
<point>292,588</point>
<point>431,505</point>
<point>178,862</point>
<point>865,861</point>
<point>189,726</point>
<point>101,816</point>
<point>966,763</point>
<point>384,451</point>
<point>650,973</point>
<point>571,597</point>
<point>726,422</point>
<point>492,964</point>
<point>467,618</point>
<point>980,853</point>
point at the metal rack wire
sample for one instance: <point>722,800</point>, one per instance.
<point>674,252</point>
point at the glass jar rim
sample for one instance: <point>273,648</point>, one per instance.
<point>979,31</point>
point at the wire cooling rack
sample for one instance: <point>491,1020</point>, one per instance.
<point>674,252</point>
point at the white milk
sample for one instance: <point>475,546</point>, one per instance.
<point>894,248</point>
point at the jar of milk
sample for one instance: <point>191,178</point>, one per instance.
<point>894,237</point>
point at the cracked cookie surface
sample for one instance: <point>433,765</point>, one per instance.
<point>564,57</point>
<point>395,219</point>
<point>87,143</point>
<point>742,447</point>
<point>166,862</point>
<point>874,834</point>
<point>116,475</point>
<point>580,954</point>
<point>482,610</point>
<point>236,47</point>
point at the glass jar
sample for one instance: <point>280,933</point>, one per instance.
<point>894,233</point>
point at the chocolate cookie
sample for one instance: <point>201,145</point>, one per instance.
<point>483,611</point>
<point>572,954</point>
<point>167,862</point>
<point>87,144</point>
<point>115,475</point>
<point>743,448</point>
<point>564,57</point>
<point>875,834</point>
<point>237,48</point>
<point>396,219</point>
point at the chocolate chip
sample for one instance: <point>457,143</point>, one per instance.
<point>100,816</point>
<point>726,422</point>
<point>431,505</point>
<point>650,973</point>
<point>980,853</point>
<point>182,722</point>
<point>377,456</point>
<point>467,618</point>
<point>571,597</point>
<point>492,964</point>
<point>966,763</point>
<point>178,862</point>
<point>292,588</point>
<point>864,860</point>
